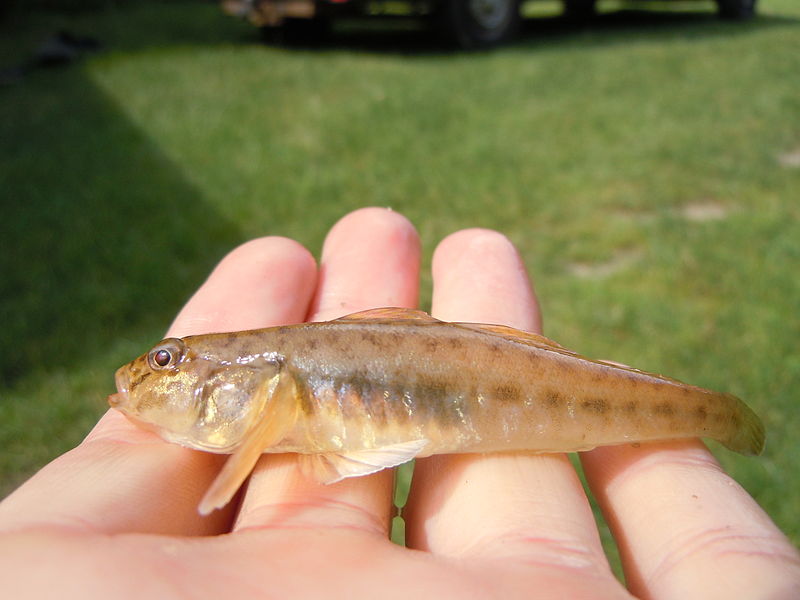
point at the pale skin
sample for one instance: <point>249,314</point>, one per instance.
<point>116,517</point>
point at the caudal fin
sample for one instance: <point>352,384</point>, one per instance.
<point>749,436</point>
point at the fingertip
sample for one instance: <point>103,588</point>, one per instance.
<point>479,275</point>
<point>267,260</point>
<point>265,281</point>
<point>474,238</point>
<point>375,222</point>
<point>261,251</point>
<point>370,259</point>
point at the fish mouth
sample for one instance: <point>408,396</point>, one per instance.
<point>117,400</point>
<point>122,380</point>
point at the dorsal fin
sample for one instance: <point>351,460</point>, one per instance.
<point>517,335</point>
<point>388,314</point>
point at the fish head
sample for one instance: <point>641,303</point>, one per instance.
<point>191,398</point>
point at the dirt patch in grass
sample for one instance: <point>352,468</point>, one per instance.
<point>619,261</point>
<point>704,211</point>
<point>790,160</point>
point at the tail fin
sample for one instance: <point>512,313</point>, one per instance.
<point>749,436</point>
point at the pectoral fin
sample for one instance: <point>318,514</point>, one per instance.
<point>330,468</point>
<point>276,419</point>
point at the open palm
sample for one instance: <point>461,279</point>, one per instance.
<point>116,517</point>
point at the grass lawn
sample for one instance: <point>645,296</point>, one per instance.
<point>647,165</point>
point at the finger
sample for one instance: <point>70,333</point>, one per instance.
<point>264,282</point>
<point>685,529</point>
<point>370,259</point>
<point>518,506</point>
<point>122,478</point>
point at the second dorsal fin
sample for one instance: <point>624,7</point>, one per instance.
<point>410,314</point>
<point>516,335</point>
<point>389,314</point>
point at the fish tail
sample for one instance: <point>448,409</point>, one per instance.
<point>749,435</point>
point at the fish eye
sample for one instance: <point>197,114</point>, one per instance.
<point>162,358</point>
<point>166,354</point>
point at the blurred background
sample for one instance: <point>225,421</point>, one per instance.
<point>646,162</point>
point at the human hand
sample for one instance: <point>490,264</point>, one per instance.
<point>117,516</point>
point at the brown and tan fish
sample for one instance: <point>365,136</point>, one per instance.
<point>378,388</point>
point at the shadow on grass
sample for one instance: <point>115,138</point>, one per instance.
<point>102,235</point>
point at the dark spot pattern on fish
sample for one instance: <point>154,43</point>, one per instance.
<point>371,338</point>
<point>431,344</point>
<point>382,342</point>
<point>438,397</point>
<point>630,407</point>
<point>506,392</point>
<point>304,396</point>
<point>338,344</point>
<point>552,399</point>
<point>433,388</point>
<point>701,412</point>
<point>497,348</point>
<point>455,343</point>
<point>664,409</point>
<point>392,341</point>
<point>595,405</point>
<point>281,333</point>
<point>331,339</point>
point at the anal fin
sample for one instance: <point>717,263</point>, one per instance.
<point>332,467</point>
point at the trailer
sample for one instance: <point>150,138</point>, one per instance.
<point>467,23</point>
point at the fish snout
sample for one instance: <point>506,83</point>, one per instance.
<point>122,379</point>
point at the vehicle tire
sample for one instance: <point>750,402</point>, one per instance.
<point>298,32</point>
<point>306,31</point>
<point>580,9</point>
<point>480,23</point>
<point>736,9</point>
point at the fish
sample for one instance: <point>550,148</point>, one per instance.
<point>378,388</point>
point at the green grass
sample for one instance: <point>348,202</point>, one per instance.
<point>637,162</point>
